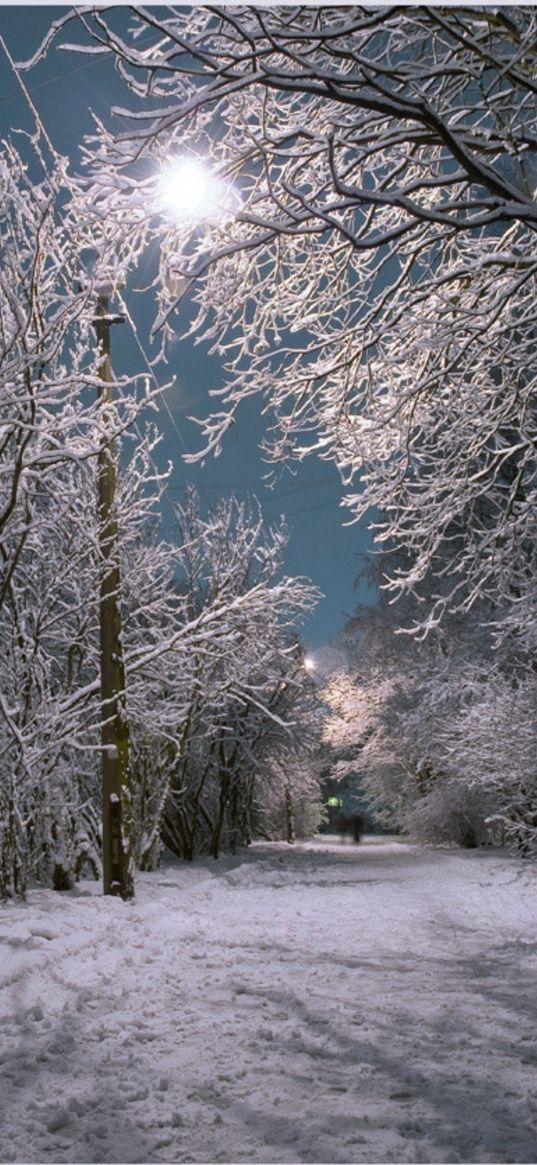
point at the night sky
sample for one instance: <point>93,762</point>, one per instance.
<point>66,89</point>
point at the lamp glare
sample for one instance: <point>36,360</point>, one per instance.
<point>187,190</point>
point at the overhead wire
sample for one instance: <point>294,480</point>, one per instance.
<point>160,400</point>
<point>272,494</point>
<point>51,80</point>
<point>26,93</point>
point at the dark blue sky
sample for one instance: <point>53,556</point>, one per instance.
<point>66,89</point>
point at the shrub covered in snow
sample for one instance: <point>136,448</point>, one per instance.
<point>452,813</point>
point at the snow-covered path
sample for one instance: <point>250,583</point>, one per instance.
<point>321,1003</point>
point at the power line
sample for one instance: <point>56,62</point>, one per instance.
<point>26,94</point>
<point>307,509</point>
<point>161,399</point>
<point>50,80</point>
<point>272,496</point>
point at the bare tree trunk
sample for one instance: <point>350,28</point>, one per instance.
<point>289,816</point>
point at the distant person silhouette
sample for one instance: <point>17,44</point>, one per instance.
<point>352,824</point>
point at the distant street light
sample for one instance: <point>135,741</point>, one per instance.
<point>324,663</point>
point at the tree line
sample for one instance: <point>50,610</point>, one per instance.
<point>375,286</point>
<point>219,707</point>
<point>438,733</point>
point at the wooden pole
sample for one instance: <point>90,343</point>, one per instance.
<point>116,781</point>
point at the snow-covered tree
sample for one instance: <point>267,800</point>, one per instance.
<point>49,364</point>
<point>488,745</point>
<point>246,693</point>
<point>51,431</point>
<point>205,620</point>
<point>291,802</point>
<point>210,664</point>
<point>388,707</point>
<point>372,274</point>
<point>50,794</point>
<point>442,729</point>
<point>48,756</point>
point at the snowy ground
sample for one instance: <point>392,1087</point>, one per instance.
<point>322,1003</point>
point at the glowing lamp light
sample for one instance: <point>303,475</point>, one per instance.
<point>324,662</point>
<point>189,192</point>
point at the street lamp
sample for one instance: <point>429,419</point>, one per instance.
<point>187,192</point>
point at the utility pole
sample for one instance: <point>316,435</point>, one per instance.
<point>116,780</point>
